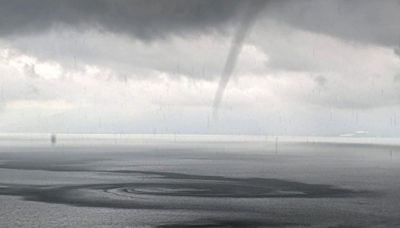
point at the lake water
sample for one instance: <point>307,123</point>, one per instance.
<point>198,181</point>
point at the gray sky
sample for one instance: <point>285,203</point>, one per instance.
<point>305,67</point>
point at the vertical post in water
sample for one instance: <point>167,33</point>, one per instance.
<point>53,139</point>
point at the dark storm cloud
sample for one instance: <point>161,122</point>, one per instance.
<point>358,20</point>
<point>368,21</point>
<point>145,19</point>
<point>362,20</point>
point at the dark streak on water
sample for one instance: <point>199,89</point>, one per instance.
<point>229,223</point>
<point>128,195</point>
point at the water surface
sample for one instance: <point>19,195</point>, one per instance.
<point>198,181</point>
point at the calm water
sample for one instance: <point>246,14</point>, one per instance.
<point>198,181</point>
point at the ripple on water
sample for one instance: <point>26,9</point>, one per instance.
<point>166,191</point>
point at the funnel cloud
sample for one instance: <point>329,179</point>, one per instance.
<point>249,16</point>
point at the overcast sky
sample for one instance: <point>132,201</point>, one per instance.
<point>145,66</point>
